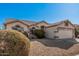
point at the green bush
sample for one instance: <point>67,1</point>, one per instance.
<point>76,32</point>
<point>13,43</point>
<point>39,33</point>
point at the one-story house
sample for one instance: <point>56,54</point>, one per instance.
<point>24,25</point>
<point>60,30</point>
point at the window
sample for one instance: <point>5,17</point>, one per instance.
<point>42,27</point>
<point>14,28</point>
<point>56,31</point>
<point>56,37</point>
<point>33,28</point>
<point>17,27</point>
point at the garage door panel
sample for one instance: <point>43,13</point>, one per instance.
<point>65,33</point>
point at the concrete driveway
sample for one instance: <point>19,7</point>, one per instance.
<point>47,47</point>
<point>77,39</point>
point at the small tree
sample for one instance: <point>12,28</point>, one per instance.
<point>39,33</point>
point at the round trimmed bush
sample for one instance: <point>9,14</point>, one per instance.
<point>13,43</point>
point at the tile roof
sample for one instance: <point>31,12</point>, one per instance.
<point>28,22</point>
<point>58,23</point>
<point>11,20</point>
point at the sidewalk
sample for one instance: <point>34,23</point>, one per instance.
<point>77,39</point>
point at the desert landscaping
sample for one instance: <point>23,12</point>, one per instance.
<point>48,47</point>
<point>59,39</point>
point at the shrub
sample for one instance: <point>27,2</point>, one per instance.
<point>39,33</point>
<point>76,32</point>
<point>13,43</point>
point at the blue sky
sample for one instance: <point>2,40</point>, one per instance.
<point>39,11</point>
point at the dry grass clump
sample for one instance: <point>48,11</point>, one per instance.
<point>13,43</point>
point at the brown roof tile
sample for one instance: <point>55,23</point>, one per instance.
<point>58,23</point>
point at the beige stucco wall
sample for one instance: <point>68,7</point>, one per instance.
<point>9,26</point>
<point>49,33</point>
<point>62,33</point>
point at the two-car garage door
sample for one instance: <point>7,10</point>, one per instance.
<point>65,33</point>
<point>60,34</point>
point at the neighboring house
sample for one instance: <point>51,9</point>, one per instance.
<point>60,30</point>
<point>10,24</point>
<point>25,24</point>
